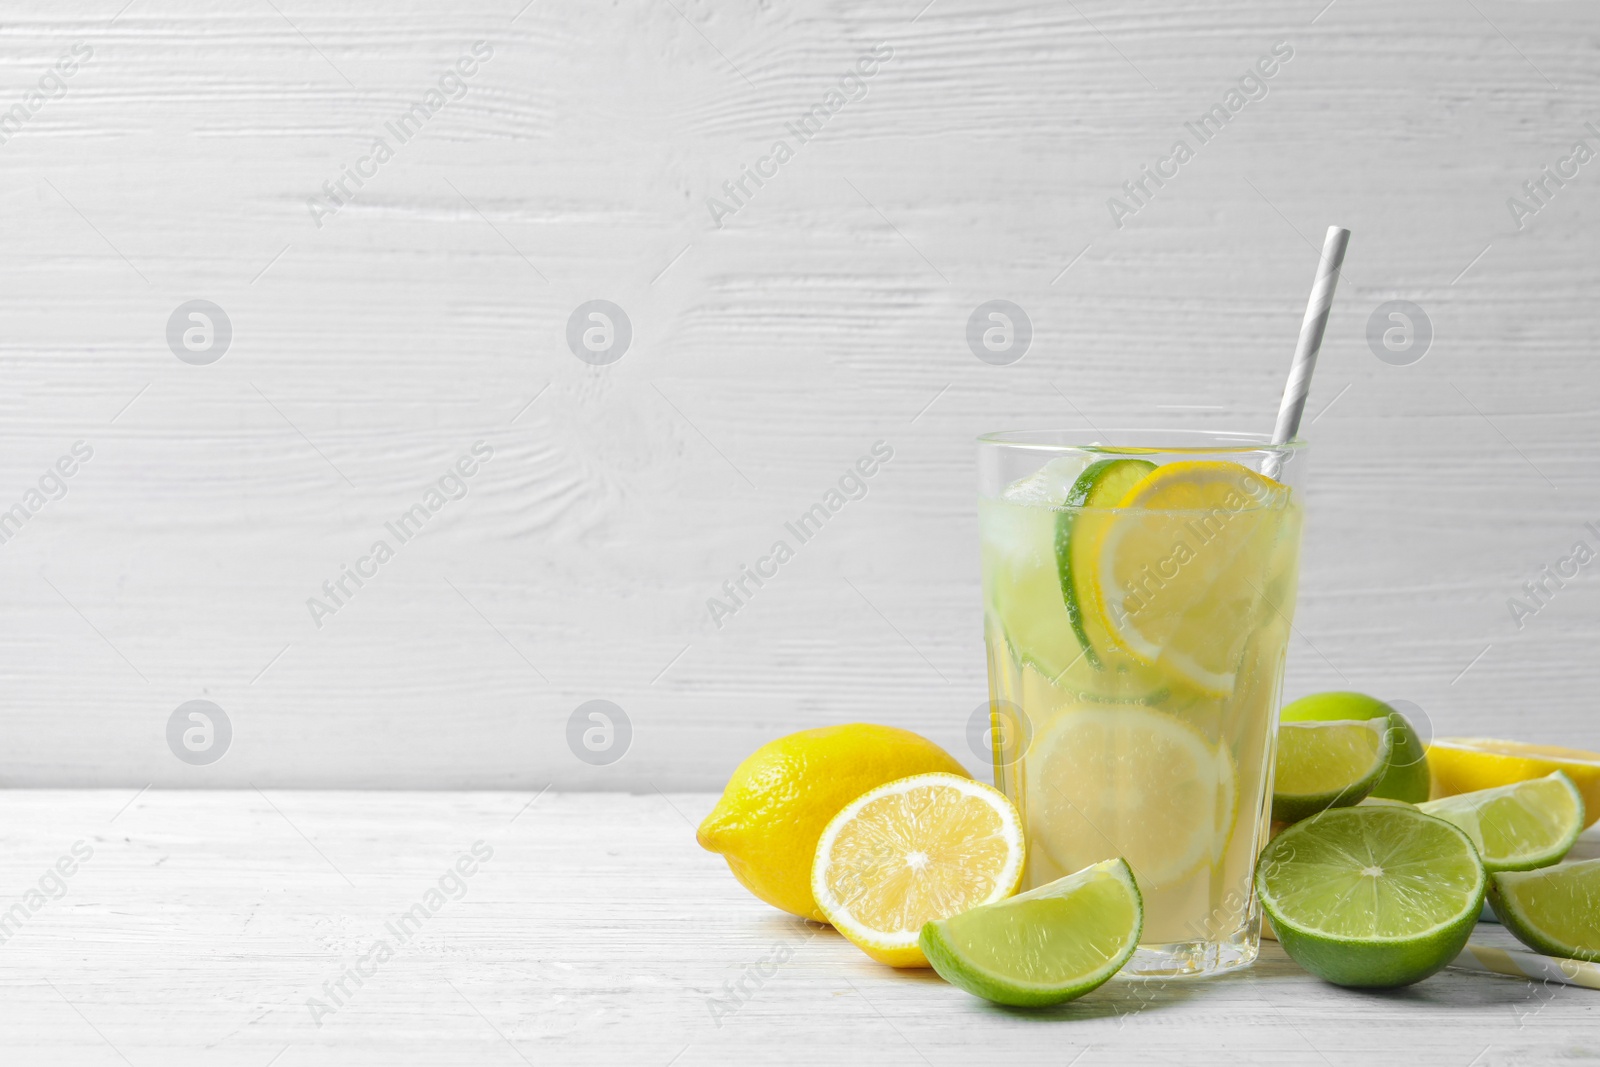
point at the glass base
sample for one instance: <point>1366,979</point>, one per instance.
<point>1195,959</point>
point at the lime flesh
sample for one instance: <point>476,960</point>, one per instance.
<point>1101,485</point>
<point>1325,765</point>
<point>1048,945</point>
<point>1407,776</point>
<point>1555,911</point>
<point>1517,827</point>
<point>1377,896</point>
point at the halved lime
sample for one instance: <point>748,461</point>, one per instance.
<point>1551,911</point>
<point>1371,896</point>
<point>1407,776</point>
<point>1102,484</point>
<point>1520,826</point>
<point>1045,946</point>
<point>1325,765</point>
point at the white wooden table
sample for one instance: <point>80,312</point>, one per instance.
<point>596,931</point>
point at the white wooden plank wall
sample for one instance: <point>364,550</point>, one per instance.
<point>825,313</point>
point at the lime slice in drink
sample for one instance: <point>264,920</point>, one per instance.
<point>1182,566</point>
<point>1553,910</point>
<point>1102,484</point>
<point>1325,765</point>
<point>1371,896</point>
<point>1407,776</point>
<point>1022,581</point>
<point>1045,946</point>
<point>1520,826</point>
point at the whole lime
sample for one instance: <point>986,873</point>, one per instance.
<point>1407,776</point>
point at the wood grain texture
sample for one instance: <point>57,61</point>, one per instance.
<point>596,932</point>
<point>767,355</point>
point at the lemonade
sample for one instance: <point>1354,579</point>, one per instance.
<point>1137,611</point>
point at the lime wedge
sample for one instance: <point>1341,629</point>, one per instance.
<point>1553,910</point>
<point>1375,896</point>
<point>1520,826</point>
<point>1045,946</point>
<point>1325,765</point>
<point>1101,485</point>
<point>1407,776</point>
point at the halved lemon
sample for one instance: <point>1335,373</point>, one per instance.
<point>1184,565</point>
<point>911,852</point>
<point>1132,782</point>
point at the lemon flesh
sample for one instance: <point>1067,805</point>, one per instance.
<point>1131,781</point>
<point>1376,896</point>
<point>1184,564</point>
<point>911,852</point>
<point>1048,945</point>
<point>1325,765</point>
<point>1517,827</point>
<point>775,806</point>
<point>1554,910</point>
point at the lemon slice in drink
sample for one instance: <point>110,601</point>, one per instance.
<point>1045,946</point>
<point>1552,910</point>
<point>1128,781</point>
<point>1183,564</point>
<point>909,852</point>
<point>1325,765</point>
<point>1374,897</point>
<point>1520,826</point>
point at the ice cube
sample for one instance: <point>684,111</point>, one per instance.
<point>1048,486</point>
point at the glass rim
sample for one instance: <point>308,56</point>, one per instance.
<point>1149,441</point>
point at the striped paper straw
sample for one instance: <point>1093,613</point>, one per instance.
<point>1520,963</point>
<point>1311,330</point>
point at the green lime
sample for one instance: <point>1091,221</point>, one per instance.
<point>1022,580</point>
<point>1374,896</point>
<point>1045,946</point>
<point>1553,910</point>
<point>1325,765</point>
<point>1520,826</point>
<point>1407,776</point>
<point>1102,484</point>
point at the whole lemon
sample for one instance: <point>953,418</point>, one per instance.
<point>780,798</point>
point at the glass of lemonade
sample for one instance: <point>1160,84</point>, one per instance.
<point>1137,602</point>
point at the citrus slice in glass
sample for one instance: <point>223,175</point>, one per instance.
<point>1048,945</point>
<point>1183,564</point>
<point>1128,781</point>
<point>913,851</point>
<point>1551,910</point>
<point>1517,827</point>
<point>1102,484</point>
<point>1325,765</point>
<point>1376,896</point>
